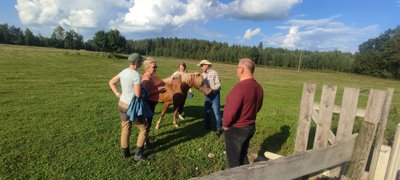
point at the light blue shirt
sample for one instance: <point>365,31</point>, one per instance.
<point>128,78</point>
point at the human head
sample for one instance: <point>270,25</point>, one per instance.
<point>182,67</point>
<point>150,65</point>
<point>247,64</point>
<point>135,59</point>
<point>204,65</point>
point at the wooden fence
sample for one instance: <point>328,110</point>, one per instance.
<point>342,149</point>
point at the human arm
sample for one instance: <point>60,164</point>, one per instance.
<point>234,101</point>
<point>112,83</point>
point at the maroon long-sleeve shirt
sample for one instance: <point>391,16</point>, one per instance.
<point>242,104</point>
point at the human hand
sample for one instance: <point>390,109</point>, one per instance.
<point>208,91</point>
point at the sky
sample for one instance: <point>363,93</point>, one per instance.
<point>316,25</point>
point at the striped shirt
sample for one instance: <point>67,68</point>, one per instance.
<point>211,79</point>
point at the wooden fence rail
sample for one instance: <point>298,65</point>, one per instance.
<point>331,150</point>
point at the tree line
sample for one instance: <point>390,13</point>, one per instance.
<point>377,57</point>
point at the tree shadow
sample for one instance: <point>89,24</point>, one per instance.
<point>273,143</point>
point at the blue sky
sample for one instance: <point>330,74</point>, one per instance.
<point>320,25</point>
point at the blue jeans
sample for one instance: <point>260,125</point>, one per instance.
<point>212,101</point>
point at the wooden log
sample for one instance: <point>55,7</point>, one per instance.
<point>325,116</point>
<point>361,151</point>
<point>306,108</point>
<point>394,160</point>
<point>380,132</point>
<point>292,166</point>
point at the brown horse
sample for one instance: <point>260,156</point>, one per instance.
<point>176,92</point>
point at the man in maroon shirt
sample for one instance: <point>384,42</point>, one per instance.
<point>242,105</point>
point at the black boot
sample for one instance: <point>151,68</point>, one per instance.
<point>139,154</point>
<point>147,143</point>
<point>125,153</point>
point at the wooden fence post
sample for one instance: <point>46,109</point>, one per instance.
<point>380,133</point>
<point>325,116</point>
<point>394,160</point>
<point>305,117</point>
<point>361,151</point>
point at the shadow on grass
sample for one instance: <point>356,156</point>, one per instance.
<point>273,143</point>
<point>191,128</point>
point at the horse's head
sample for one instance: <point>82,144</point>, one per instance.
<point>192,79</point>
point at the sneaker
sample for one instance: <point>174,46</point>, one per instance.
<point>181,117</point>
<point>219,132</point>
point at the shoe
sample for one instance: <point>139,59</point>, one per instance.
<point>125,153</point>
<point>181,117</point>
<point>219,132</point>
<point>148,143</point>
<point>139,154</point>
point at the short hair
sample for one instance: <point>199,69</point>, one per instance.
<point>248,64</point>
<point>147,62</point>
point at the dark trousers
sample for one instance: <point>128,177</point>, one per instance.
<point>152,106</point>
<point>236,144</point>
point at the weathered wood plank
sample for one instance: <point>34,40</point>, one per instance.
<point>325,116</point>
<point>374,108</point>
<point>346,119</point>
<point>347,113</point>
<point>361,151</point>
<point>381,165</point>
<point>332,137</point>
<point>306,108</point>
<point>394,160</point>
<point>292,166</point>
<point>380,132</point>
<point>336,109</point>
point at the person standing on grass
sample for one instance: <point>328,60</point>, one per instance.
<point>182,70</point>
<point>130,85</point>
<point>243,103</point>
<point>211,79</point>
<point>153,85</point>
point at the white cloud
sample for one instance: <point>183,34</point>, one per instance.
<point>145,16</point>
<point>250,33</point>
<point>322,35</point>
<point>261,9</point>
<point>74,13</point>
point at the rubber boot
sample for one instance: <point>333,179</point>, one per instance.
<point>125,153</point>
<point>147,143</point>
<point>139,154</point>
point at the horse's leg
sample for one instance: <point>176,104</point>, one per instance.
<point>175,117</point>
<point>164,109</point>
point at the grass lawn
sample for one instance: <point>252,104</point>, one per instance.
<point>59,118</point>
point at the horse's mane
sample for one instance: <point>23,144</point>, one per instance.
<point>186,78</point>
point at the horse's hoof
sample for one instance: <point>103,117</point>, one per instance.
<point>176,125</point>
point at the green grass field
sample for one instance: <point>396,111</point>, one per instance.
<point>59,118</point>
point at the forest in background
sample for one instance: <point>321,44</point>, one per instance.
<point>378,56</point>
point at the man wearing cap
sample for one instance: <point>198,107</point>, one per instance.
<point>130,86</point>
<point>211,79</point>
